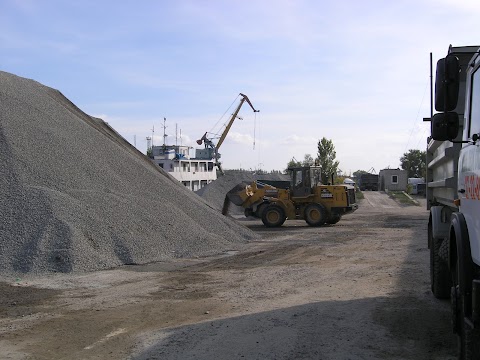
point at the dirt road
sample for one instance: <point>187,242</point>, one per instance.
<point>355,290</point>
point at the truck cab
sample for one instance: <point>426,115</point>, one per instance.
<point>453,193</point>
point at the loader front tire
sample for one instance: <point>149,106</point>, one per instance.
<point>260,209</point>
<point>273,216</point>
<point>315,215</point>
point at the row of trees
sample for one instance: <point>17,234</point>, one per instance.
<point>413,161</point>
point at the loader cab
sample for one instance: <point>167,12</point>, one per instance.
<point>304,179</point>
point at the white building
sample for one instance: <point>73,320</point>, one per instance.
<point>193,173</point>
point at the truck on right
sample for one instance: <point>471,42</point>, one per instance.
<point>453,193</point>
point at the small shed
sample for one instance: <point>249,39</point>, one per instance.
<point>393,179</point>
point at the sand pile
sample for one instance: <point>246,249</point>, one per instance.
<point>214,193</point>
<point>75,196</point>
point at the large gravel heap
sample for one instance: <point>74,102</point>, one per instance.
<point>214,193</point>
<point>75,196</point>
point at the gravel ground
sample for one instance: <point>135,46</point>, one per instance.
<point>75,196</point>
<point>355,290</point>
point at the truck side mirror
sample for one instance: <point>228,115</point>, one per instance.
<point>447,81</point>
<point>445,126</point>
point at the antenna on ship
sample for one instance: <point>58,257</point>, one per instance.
<point>164,134</point>
<point>153,132</point>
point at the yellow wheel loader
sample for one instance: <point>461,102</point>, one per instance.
<point>301,198</point>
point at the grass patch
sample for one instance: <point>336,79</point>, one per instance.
<point>359,195</point>
<point>402,198</point>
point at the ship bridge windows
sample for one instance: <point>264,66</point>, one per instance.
<point>185,166</point>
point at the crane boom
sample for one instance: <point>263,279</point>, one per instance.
<point>234,115</point>
<point>209,143</point>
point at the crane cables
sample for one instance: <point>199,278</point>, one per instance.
<point>221,117</point>
<point>254,128</point>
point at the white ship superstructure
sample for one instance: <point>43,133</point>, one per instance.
<point>193,173</point>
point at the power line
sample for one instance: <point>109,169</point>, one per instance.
<point>416,119</point>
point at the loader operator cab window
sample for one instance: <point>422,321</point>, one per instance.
<point>297,176</point>
<point>301,182</point>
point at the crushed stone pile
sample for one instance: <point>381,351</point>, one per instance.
<point>75,196</point>
<point>214,193</point>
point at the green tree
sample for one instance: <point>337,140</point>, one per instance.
<point>357,173</point>
<point>308,160</point>
<point>414,162</point>
<point>293,163</point>
<point>150,152</point>
<point>326,159</point>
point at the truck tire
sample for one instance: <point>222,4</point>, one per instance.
<point>273,216</point>
<point>468,337</point>
<point>461,293</point>
<point>440,278</point>
<point>315,214</point>
<point>334,218</point>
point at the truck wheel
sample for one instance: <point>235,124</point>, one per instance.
<point>273,216</point>
<point>468,337</point>
<point>334,218</point>
<point>315,214</point>
<point>440,278</point>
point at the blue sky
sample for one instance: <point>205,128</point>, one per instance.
<point>355,72</point>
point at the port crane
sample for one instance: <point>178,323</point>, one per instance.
<point>209,144</point>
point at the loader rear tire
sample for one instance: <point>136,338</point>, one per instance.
<point>333,219</point>
<point>273,216</point>
<point>315,215</point>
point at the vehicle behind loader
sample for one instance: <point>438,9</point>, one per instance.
<point>301,198</point>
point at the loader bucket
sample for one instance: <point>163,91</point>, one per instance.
<point>238,194</point>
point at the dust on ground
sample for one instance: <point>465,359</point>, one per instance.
<point>355,290</point>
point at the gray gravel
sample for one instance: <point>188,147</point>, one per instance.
<point>75,196</point>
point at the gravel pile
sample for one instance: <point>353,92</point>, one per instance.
<point>75,196</point>
<point>214,193</point>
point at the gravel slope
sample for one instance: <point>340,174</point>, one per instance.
<point>75,196</point>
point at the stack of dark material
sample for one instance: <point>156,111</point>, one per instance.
<point>76,196</point>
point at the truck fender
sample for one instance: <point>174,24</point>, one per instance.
<point>440,229</point>
<point>459,241</point>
